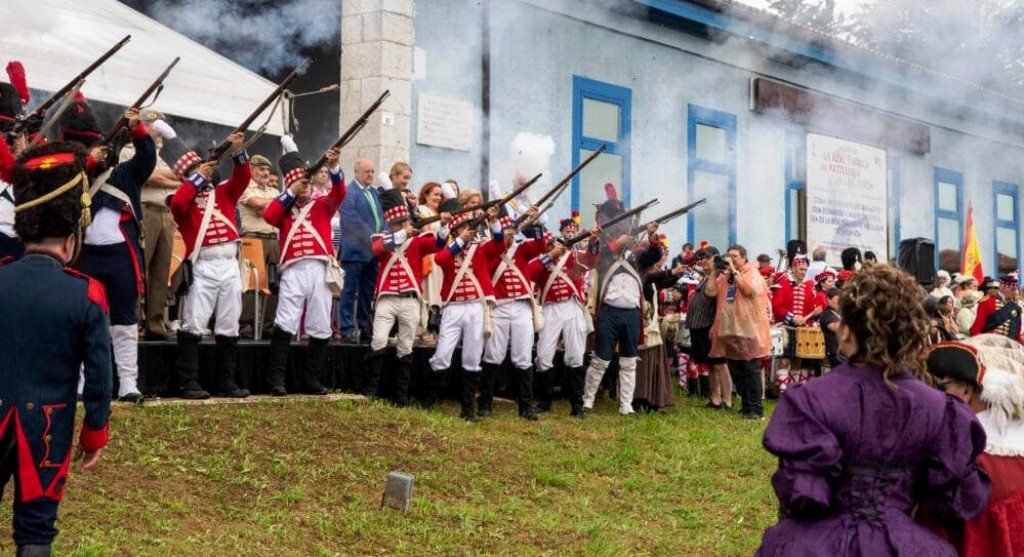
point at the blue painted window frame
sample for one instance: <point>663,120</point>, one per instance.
<point>895,188</point>
<point>957,179</point>
<point>1013,190</point>
<point>795,140</point>
<point>696,115</point>
<point>585,88</point>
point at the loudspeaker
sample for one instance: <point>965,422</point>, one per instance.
<point>917,257</point>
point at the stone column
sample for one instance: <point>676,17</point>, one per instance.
<point>377,39</point>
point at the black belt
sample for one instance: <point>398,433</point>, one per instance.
<point>262,235</point>
<point>410,294</point>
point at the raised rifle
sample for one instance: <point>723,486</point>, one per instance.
<point>560,186</point>
<point>350,133</point>
<point>40,111</point>
<point>669,216</point>
<point>486,204</point>
<point>157,85</point>
<point>499,202</point>
<point>569,242</point>
<point>219,151</point>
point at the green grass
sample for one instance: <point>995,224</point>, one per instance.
<point>305,479</point>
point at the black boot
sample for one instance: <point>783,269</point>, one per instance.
<point>371,378</point>
<point>691,387</point>
<point>33,551</point>
<point>705,386</point>
<point>188,366</point>
<point>577,379</point>
<point>227,367</point>
<point>402,380</point>
<point>431,388</point>
<point>488,375</point>
<point>280,345</point>
<point>542,390</point>
<point>316,355</point>
<point>470,382</point>
<point>525,394</point>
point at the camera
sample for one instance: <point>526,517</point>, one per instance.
<point>720,264</point>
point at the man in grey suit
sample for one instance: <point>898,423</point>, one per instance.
<point>361,217</point>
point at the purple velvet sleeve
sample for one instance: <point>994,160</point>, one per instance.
<point>809,454</point>
<point>957,487</point>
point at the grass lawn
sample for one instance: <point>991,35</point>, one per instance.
<point>305,479</point>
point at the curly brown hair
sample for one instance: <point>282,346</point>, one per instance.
<point>882,307</point>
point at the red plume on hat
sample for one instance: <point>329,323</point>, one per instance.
<point>16,73</point>
<point>610,192</point>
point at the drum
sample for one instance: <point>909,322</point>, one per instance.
<point>778,342</point>
<point>810,343</point>
<point>788,340</point>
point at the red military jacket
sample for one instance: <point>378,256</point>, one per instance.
<point>283,210</point>
<point>792,300</point>
<point>397,279</point>
<point>452,259</point>
<point>573,274</point>
<point>986,308</point>
<point>510,285</point>
<point>189,202</point>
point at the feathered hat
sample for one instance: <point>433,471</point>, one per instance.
<point>612,206</point>
<point>13,96</point>
<point>796,250</point>
<point>395,209</point>
<point>850,257</point>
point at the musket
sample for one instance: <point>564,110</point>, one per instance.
<point>499,202</point>
<point>40,110</point>
<point>219,151</point>
<point>486,204</point>
<point>560,186</point>
<point>122,121</point>
<point>350,133</point>
<point>569,242</point>
<point>669,216</point>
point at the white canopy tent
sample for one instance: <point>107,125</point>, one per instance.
<point>57,39</point>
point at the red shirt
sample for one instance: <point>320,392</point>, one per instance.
<point>575,270</point>
<point>483,258</point>
<point>188,204</point>
<point>798,300</point>
<point>509,286</point>
<point>282,212</point>
<point>398,280</point>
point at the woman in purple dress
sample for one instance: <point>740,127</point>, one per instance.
<point>861,447</point>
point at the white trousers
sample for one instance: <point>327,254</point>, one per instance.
<point>304,285</point>
<point>216,286</point>
<point>565,320</point>
<point>627,382</point>
<point>512,323</point>
<point>387,310</point>
<point>125,339</point>
<point>465,321</point>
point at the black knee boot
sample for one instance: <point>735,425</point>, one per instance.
<point>525,394</point>
<point>470,382</point>
<point>226,357</point>
<point>371,377</point>
<point>487,377</point>
<point>691,387</point>
<point>542,390</point>
<point>431,388</point>
<point>402,380</point>
<point>577,379</point>
<point>34,550</point>
<point>280,345</point>
<point>316,355</point>
<point>705,386</point>
<point>188,366</point>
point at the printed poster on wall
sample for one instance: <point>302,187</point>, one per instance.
<point>847,201</point>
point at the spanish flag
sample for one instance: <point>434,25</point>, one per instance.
<point>971,264</point>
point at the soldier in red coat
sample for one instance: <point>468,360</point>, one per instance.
<point>793,305</point>
<point>399,292</point>
<point>306,254</point>
<point>513,319</point>
<point>1000,312</point>
<point>467,294</point>
<point>205,214</point>
<point>560,277</point>
<point>54,322</point>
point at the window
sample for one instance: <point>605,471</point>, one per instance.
<point>949,204</point>
<point>711,174</point>
<point>894,206</point>
<point>1007,229</point>
<point>600,116</point>
<point>796,186</point>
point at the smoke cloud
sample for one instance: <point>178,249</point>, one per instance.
<point>266,38</point>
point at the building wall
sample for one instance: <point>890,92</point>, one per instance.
<point>538,46</point>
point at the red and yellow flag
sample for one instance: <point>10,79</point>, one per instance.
<point>971,263</point>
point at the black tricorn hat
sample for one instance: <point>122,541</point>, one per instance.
<point>955,360</point>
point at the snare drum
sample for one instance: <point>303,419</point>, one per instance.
<point>810,343</point>
<point>778,342</point>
